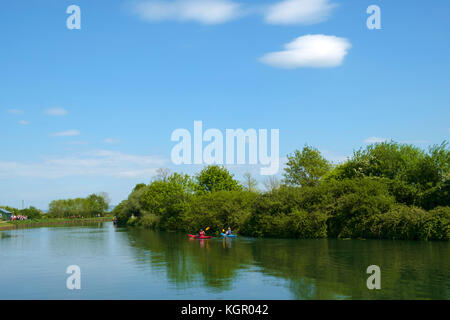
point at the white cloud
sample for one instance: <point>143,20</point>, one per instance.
<point>111,140</point>
<point>315,51</point>
<point>56,112</point>
<point>24,122</point>
<point>299,12</point>
<point>68,133</point>
<point>15,111</point>
<point>375,140</point>
<point>95,163</point>
<point>203,11</point>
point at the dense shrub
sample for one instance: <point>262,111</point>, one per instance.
<point>280,214</point>
<point>382,192</point>
<point>352,205</point>
<point>412,223</point>
<point>220,210</point>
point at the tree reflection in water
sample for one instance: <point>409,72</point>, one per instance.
<point>312,269</point>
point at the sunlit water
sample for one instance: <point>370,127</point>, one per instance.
<point>119,263</point>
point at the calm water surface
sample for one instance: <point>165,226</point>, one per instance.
<point>121,263</point>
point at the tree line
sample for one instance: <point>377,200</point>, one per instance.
<point>30,213</point>
<point>94,205</point>
<point>387,190</point>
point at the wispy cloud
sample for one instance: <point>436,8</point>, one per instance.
<point>95,163</point>
<point>56,112</point>
<point>68,133</point>
<point>24,122</point>
<point>15,111</point>
<point>315,51</point>
<point>299,12</point>
<point>375,140</point>
<point>111,140</point>
<point>202,11</point>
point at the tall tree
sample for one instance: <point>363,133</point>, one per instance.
<point>215,178</point>
<point>306,167</point>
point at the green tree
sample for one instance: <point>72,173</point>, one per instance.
<point>306,168</point>
<point>215,178</point>
<point>416,177</point>
<point>31,213</point>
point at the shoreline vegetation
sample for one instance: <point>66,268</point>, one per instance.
<point>387,190</point>
<point>8,225</point>
<point>93,208</point>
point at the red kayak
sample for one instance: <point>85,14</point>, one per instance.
<point>196,236</point>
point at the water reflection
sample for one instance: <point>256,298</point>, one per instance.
<point>311,269</point>
<point>120,263</point>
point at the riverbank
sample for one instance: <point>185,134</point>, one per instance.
<point>8,225</point>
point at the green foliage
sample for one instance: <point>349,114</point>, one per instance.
<point>149,221</point>
<point>435,196</point>
<point>415,177</point>
<point>411,223</point>
<point>161,204</point>
<point>92,206</point>
<point>281,213</point>
<point>352,204</point>
<point>382,192</point>
<point>215,178</point>
<point>219,210</point>
<point>306,168</point>
<point>32,213</point>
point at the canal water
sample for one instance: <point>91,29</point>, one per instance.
<point>120,263</point>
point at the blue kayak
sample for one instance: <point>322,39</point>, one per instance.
<point>228,236</point>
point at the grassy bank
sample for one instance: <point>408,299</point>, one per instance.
<point>7,225</point>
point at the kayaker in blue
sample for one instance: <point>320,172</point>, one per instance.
<point>228,233</point>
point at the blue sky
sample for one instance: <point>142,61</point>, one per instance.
<point>92,110</point>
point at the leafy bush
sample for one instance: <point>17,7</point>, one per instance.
<point>382,192</point>
<point>219,210</point>
<point>150,221</point>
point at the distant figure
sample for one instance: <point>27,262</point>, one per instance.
<point>201,233</point>
<point>228,233</point>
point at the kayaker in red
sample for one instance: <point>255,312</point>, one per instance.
<point>201,233</point>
